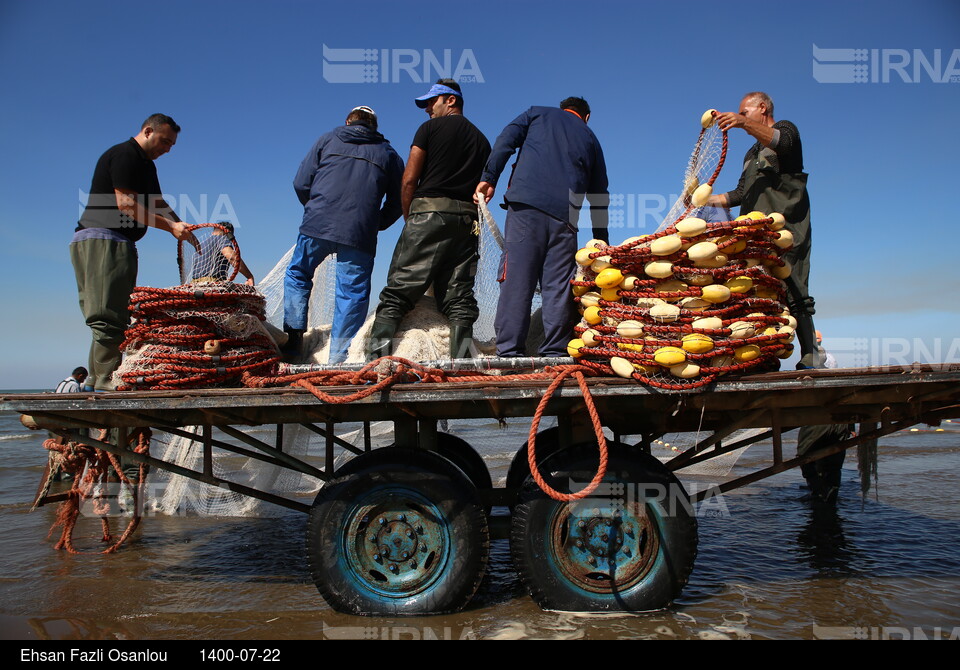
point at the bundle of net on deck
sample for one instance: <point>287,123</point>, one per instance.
<point>201,334</point>
<point>697,299</point>
<point>680,307</point>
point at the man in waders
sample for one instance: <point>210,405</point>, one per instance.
<point>560,162</point>
<point>773,180</point>
<point>438,245</point>
<point>125,199</point>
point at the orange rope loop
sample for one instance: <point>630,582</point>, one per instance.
<point>562,372</point>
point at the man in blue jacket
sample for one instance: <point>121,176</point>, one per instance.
<point>341,184</point>
<point>559,164</point>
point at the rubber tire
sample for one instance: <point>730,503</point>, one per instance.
<point>670,536</point>
<point>456,450</point>
<point>548,443</point>
<point>459,452</point>
<point>388,482</point>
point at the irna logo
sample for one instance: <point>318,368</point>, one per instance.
<point>883,66</point>
<point>391,66</point>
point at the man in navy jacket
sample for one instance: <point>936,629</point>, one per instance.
<point>341,184</point>
<point>560,162</point>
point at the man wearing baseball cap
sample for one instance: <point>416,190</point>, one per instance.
<point>438,245</point>
<point>341,184</point>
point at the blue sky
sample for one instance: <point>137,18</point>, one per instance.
<point>246,81</point>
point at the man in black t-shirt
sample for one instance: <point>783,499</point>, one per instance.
<point>125,198</point>
<point>438,244</point>
<point>773,180</point>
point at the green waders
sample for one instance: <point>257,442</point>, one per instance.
<point>438,247</point>
<point>767,191</point>
<point>106,272</point>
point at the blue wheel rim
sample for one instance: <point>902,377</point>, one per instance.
<point>395,543</point>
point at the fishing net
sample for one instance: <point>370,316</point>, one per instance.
<point>215,258</point>
<point>194,336</point>
<point>693,301</point>
<point>731,297</point>
<point>703,167</point>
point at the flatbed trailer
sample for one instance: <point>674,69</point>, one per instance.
<point>405,530</point>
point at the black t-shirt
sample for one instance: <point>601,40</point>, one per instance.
<point>124,166</point>
<point>786,158</point>
<point>456,153</point>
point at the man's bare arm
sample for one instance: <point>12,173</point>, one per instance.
<point>128,203</point>
<point>759,131</point>
<point>411,177</point>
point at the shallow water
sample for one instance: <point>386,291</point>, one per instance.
<point>769,566</point>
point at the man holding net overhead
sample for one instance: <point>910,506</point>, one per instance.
<point>773,180</point>
<point>341,184</point>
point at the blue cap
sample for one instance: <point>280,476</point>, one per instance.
<point>436,90</point>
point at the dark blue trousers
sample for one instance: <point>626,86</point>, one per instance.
<point>537,249</point>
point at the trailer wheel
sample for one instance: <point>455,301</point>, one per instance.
<point>460,453</point>
<point>403,533</point>
<point>548,443</point>
<point>630,546</point>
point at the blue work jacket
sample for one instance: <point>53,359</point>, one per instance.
<point>342,183</point>
<point>559,163</point>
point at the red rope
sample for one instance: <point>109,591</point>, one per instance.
<point>562,373</point>
<point>90,468</point>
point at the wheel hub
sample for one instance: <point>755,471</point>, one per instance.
<point>397,544</point>
<point>603,550</point>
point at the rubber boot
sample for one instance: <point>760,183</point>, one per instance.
<point>380,341</point>
<point>461,341</point>
<point>291,351</point>
<point>807,339</point>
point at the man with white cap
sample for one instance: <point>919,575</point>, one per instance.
<point>438,245</point>
<point>341,184</point>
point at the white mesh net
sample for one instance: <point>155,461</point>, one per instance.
<point>701,168</point>
<point>216,258</point>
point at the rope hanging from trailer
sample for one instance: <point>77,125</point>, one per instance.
<point>388,371</point>
<point>96,475</point>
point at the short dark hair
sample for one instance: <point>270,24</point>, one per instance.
<point>578,105</point>
<point>227,225</point>
<point>77,372</point>
<point>455,85</point>
<point>156,120</point>
<point>362,117</point>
